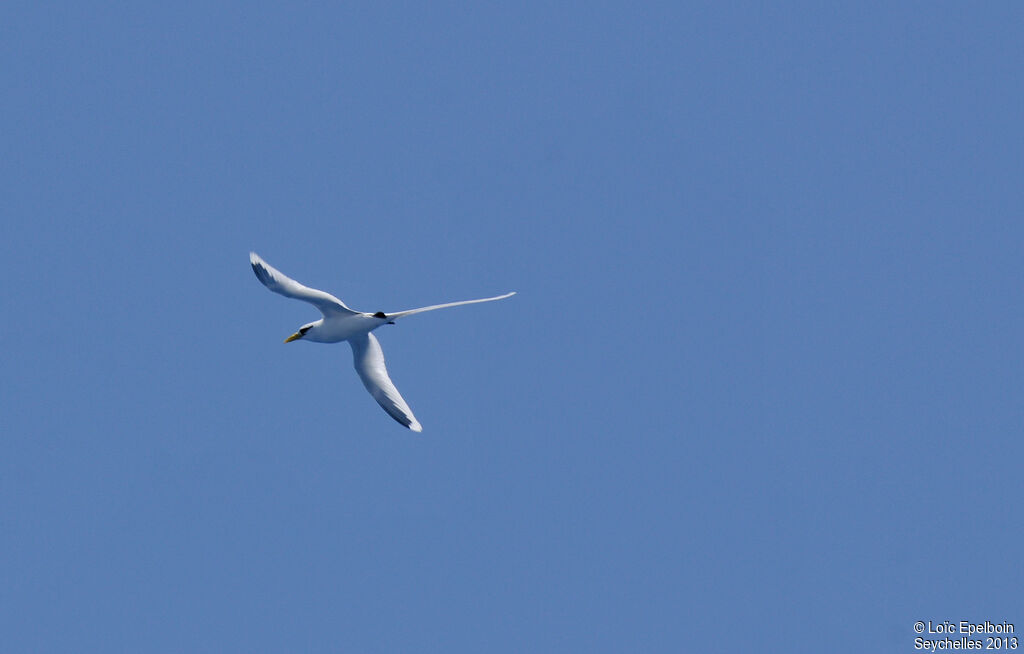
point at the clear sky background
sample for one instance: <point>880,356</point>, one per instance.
<point>760,389</point>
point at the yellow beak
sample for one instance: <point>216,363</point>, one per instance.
<point>293,337</point>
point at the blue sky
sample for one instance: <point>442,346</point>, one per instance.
<point>759,389</point>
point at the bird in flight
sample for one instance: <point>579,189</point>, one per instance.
<point>343,324</point>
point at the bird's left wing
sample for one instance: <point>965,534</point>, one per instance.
<point>369,363</point>
<point>280,283</point>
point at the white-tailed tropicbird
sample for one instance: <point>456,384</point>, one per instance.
<point>343,324</point>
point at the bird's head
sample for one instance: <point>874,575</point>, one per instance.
<point>299,334</point>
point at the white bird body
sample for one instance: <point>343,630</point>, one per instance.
<point>341,328</point>
<point>343,324</point>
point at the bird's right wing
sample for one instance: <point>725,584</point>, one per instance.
<point>369,362</point>
<point>280,283</point>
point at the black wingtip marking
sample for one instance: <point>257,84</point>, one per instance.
<point>261,272</point>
